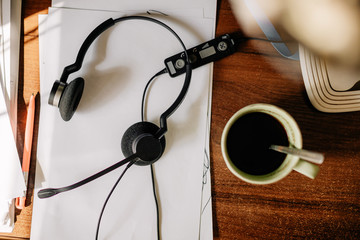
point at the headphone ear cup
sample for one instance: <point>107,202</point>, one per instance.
<point>70,98</point>
<point>140,137</point>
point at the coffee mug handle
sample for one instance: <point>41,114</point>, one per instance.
<point>308,169</point>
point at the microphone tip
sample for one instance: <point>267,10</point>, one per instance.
<point>47,192</point>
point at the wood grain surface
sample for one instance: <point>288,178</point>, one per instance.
<point>294,208</point>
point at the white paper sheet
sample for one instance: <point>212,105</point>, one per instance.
<point>9,52</point>
<point>207,6</point>
<point>116,70</point>
<point>12,182</point>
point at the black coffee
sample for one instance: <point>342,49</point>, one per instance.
<point>249,140</point>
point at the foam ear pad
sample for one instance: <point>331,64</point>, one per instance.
<point>70,98</point>
<point>140,139</point>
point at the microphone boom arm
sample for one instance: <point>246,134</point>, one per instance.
<point>49,192</point>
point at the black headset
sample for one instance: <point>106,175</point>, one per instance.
<point>143,143</point>
<point>144,139</point>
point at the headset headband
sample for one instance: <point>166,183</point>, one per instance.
<point>111,22</point>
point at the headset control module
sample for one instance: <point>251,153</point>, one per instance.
<point>202,54</point>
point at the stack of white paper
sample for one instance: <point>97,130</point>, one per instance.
<point>116,69</point>
<point>12,183</point>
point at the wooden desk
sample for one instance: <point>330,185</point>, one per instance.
<point>296,207</point>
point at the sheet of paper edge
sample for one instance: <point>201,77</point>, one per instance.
<point>209,9</point>
<point>10,59</point>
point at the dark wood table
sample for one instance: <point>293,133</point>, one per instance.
<point>296,207</point>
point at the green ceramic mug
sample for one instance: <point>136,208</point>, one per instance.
<point>289,163</point>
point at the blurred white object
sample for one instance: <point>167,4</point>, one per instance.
<point>7,216</point>
<point>330,28</point>
<point>330,87</point>
<point>329,31</point>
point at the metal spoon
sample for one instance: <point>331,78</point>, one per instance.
<point>314,157</point>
